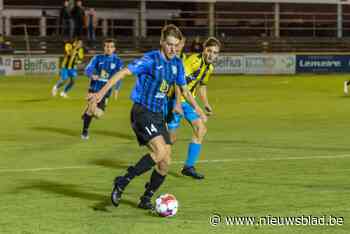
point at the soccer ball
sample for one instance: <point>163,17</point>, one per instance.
<point>166,205</point>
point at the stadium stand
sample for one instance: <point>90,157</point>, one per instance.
<point>243,27</point>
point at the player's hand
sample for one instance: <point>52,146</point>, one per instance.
<point>178,109</point>
<point>89,96</point>
<point>94,97</point>
<point>98,97</point>
<point>202,115</point>
<point>209,110</point>
<point>95,77</point>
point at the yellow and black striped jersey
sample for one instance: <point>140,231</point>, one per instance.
<point>183,56</point>
<point>197,72</point>
<point>72,56</point>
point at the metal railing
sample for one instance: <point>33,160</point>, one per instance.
<point>226,23</point>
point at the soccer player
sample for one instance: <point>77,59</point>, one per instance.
<point>73,55</point>
<point>100,69</point>
<point>198,68</point>
<point>346,84</point>
<point>156,71</point>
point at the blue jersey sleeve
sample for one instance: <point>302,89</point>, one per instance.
<point>142,65</point>
<point>91,67</point>
<point>180,79</point>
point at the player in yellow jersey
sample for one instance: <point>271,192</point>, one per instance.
<point>73,55</point>
<point>198,69</point>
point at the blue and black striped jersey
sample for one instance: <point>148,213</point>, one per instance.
<point>155,75</point>
<point>105,66</point>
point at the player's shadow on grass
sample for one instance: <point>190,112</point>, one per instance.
<point>108,163</point>
<point>63,131</point>
<point>104,205</point>
<point>114,134</point>
<point>35,100</point>
<point>72,190</point>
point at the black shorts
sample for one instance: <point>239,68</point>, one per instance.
<point>147,125</point>
<point>102,104</point>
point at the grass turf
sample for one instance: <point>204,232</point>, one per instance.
<point>279,141</point>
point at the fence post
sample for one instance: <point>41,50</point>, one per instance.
<point>211,19</point>
<point>277,20</point>
<point>8,26</point>
<point>142,19</point>
<point>339,20</point>
<point>104,27</point>
<point>43,26</point>
<point>1,17</point>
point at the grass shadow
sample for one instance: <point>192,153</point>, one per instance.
<point>113,164</point>
<point>72,190</point>
<point>34,100</point>
<point>115,134</point>
<point>104,205</point>
<point>62,131</point>
<point>69,190</point>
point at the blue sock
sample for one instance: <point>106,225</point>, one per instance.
<point>193,154</point>
<point>59,83</point>
<point>69,85</point>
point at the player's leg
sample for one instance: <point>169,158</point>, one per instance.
<point>161,170</point>
<point>87,118</point>
<point>72,73</point>
<point>346,84</point>
<point>157,152</point>
<point>145,127</point>
<point>173,125</point>
<point>68,87</point>
<point>194,148</point>
<point>162,151</point>
<point>60,82</point>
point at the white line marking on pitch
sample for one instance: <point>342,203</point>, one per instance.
<point>180,162</point>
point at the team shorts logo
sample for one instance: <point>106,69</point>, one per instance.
<point>113,66</point>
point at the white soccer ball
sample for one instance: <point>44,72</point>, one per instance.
<point>166,205</point>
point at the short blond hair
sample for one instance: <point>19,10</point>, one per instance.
<point>212,41</point>
<point>171,30</point>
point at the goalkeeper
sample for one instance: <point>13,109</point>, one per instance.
<point>100,69</point>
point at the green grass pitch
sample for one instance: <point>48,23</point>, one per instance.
<point>276,145</point>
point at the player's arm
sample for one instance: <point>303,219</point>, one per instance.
<point>202,93</point>
<point>178,95</point>
<point>80,55</point>
<point>119,83</point>
<point>182,84</point>
<point>114,79</point>
<point>117,89</point>
<point>190,99</point>
<point>68,48</point>
<point>91,68</point>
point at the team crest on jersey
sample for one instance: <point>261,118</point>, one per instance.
<point>113,65</point>
<point>174,69</point>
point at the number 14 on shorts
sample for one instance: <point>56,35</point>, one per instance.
<point>151,129</point>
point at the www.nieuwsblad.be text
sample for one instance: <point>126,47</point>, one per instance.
<point>303,220</point>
